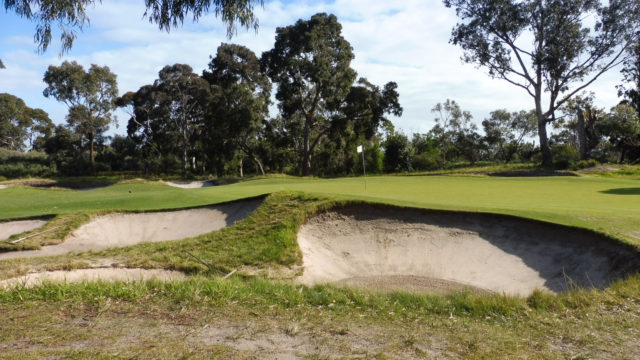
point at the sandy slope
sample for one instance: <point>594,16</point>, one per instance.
<point>391,248</point>
<point>105,274</point>
<point>19,226</point>
<point>118,230</point>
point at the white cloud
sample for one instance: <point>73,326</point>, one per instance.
<point>402,41</point>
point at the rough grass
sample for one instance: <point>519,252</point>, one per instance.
<point>124,320</point>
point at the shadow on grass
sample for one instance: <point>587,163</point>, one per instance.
<point>623,191</point>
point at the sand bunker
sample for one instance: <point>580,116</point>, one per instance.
<point>105,274</point>
<point>117,230</point>
<point>392,248</point>
<point>19,226</point>
<point>189,184</point>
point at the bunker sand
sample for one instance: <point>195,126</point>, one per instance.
<point>189,184</point>
<point>19,226</point>
<point>118,230</point>
<point>389,248</point>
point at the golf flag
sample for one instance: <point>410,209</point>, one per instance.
<point>359,148</point>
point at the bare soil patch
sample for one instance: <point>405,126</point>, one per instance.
<point>105,274</point>
<point>395,248</point>
<point>118,230</point>
<point>9,228</point>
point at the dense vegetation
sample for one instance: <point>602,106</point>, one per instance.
<point>218,123</point>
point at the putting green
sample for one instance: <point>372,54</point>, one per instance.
<point>608,205</point>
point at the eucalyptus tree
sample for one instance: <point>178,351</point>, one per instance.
<point>361,115</point>
<point>621,127</point>
<point>70,16</point>
<point>581,117</point>
<point>505,131</point>
<point>451,122</point>
<point>89,95</point>
<point>552,49</point>
<point>182,96</point>
<point>21,126</point>
<point>146,124</point>
<point>239,103</point>
<point>631,74</point>
<point>311,64</point>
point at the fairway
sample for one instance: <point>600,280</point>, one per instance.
<point>607,205</point>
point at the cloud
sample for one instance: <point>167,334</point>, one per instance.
<point>402,41</point>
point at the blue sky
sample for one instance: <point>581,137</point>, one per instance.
<point>402,41</point>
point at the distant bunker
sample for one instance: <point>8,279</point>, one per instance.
<point>118,230</point>
<point>390,248</point>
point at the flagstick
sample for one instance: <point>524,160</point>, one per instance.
<point>364,171</point>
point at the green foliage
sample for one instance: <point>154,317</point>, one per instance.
<point>583,164</point>
<point>70,16</point>
<point>374,159</point>
<point>22,127</point>
<point>167,118</point>
<point>505,132</point>
<point>239,105</point>
<point>455,132</point>
<point>397,153</point>
<point>90,96</point>
<point>622,129</point>
<point>16,164</point>
<point>311,64</point>
<point>491,33</point>
<point>565,156</point>
<point>631,75</point>
<point>426,153</point>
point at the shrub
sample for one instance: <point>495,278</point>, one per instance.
<point>583,164</point>
<point>564,156</point>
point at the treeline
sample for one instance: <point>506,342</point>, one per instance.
<point>217,123</point>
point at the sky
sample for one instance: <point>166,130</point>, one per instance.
<point>405,41</point>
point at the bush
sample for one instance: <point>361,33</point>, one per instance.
<point>583,164</point>
<point>565,156</point>
<point>397,153</point>
<point>425,161</point>
<point>16,164</point>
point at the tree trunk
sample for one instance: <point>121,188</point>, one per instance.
<point>184,153</point>
<point>258,165</point>
<point>91,154</point>
<point>582,136</point>
<point>241,174</point>
<point>547,158</point>
<point>306,153</point>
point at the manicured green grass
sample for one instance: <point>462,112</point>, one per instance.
<point>604,204</point>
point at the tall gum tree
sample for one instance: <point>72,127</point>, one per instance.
<point>21,125</point>
<point>239,104</point>
<point>552,49</point>
<point>311,64</point>
<point>90,95</point>
<point>182,95</point>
